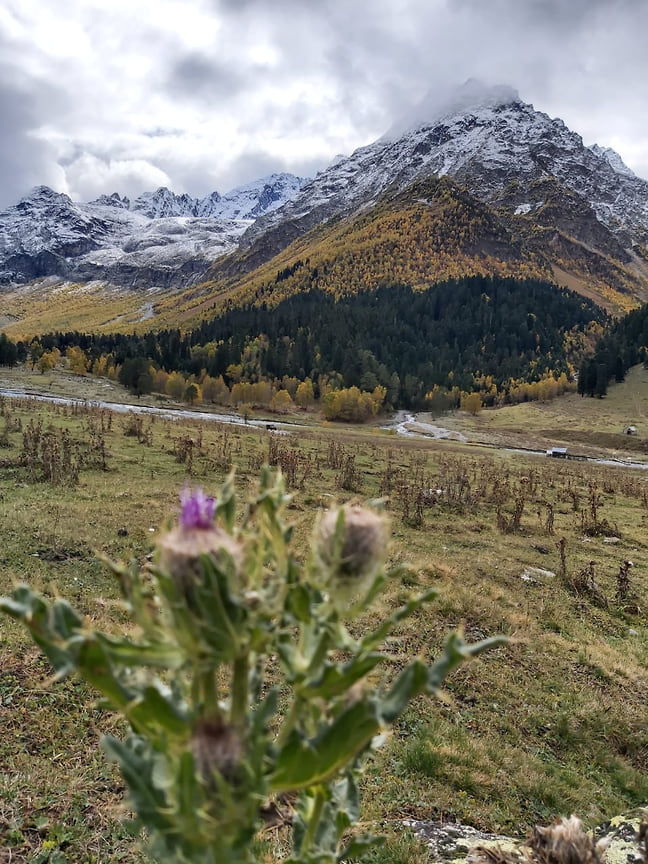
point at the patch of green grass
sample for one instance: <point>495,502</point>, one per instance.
<point>552,724</point>
<point>584,425</point>
<point>401,847</point>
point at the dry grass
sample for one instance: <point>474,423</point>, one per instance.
<point>48,305</point>
<point>553,723</point>
<point>585,425</point>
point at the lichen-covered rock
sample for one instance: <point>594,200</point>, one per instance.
<point>621,835</point>
<point>452,841</point>
<point>619,841</point>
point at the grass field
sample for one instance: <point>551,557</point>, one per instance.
<point>552,724</point>
<point>48,305</point>
<point>588,426</point>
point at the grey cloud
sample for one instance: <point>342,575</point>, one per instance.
<point>256,164</point>
<point>206,79</point>
<point>557,16</point>
<point>161,132</point>
<point>351,67</point>
<point>261,7</point>
<point>26,160</point>
<point>201,177</point>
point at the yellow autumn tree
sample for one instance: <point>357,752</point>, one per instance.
<point>305,395</point>
<point>76,359</point>
<point>175,385</point>
<point>472,403</point>
<point>281,402</point>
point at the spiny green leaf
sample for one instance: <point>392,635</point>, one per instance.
<point>94,665</point>
<point>124,652</point>
<point>304,762</point>
<point>154,710</point>
<point>190,797</point>
<point>65,621</point>
<point>149,804</point>
<point>412,681</point>
<point>456,652</point>
<point>336,679</point>
<point>298,603</point>
<point>377,636</point>
<point>225,507</point>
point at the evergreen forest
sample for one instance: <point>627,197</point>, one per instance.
<point>624,344</point>
<point>477,333</point>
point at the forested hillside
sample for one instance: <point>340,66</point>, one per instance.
<point>624,344</point>
<point>481,334</point>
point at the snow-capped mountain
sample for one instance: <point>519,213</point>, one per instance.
<point>485,138</point>
<point>244,202</point>
<point>552,193</point>
<point>159,239</point>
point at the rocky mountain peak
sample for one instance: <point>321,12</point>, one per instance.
<point>486,139</point>
<point>114,200</point>
<point>163,203</point>
<point>42,196</point>
<point>528,167</point>
<point>611,156</point>
<point>159,239</point>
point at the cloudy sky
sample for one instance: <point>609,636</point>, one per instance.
<point>128,95</point>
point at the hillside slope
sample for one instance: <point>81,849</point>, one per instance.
<point>431,231</point>
<point>483,185</point>
<point>505,153</point>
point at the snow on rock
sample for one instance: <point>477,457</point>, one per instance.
<point>613,158</point>
<point>488,140</point>
<point>485,138</point>
<point>244,202</point>
<point>160,238</point>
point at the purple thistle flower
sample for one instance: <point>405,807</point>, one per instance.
<point>197,509</point>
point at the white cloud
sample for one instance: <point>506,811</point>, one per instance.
<point>127,176</point>
<point>199,91</point>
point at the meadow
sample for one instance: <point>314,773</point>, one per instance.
<point>533,548</point>
<point>588,426</point>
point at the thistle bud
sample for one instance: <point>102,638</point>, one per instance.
<point>351,545</point>
<point>180,549</point>
<point>217,749</point>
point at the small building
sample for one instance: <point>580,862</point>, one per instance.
<point>629,430</point>
<point>557,452</point>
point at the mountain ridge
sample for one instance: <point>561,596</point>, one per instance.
<point>485,150</point>
<point>560,210</point>
<point>160,237</point>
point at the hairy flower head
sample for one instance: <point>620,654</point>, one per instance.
<point>565,842</point>
<point>350,545</point>
<point>180,548</point>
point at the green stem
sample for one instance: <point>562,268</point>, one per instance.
<point>209,692</point>
<point>240,683</point>
<point>313,822</point>
<point>288,724</point>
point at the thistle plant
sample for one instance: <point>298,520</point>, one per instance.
<point>241,683</point>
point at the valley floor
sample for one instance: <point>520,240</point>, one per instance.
<point>591,428</point>
<point>552,724</point>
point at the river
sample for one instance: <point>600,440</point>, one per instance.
<point>404,424</point>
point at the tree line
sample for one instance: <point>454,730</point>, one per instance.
<point>484,334</point>
<point>622,345</point>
